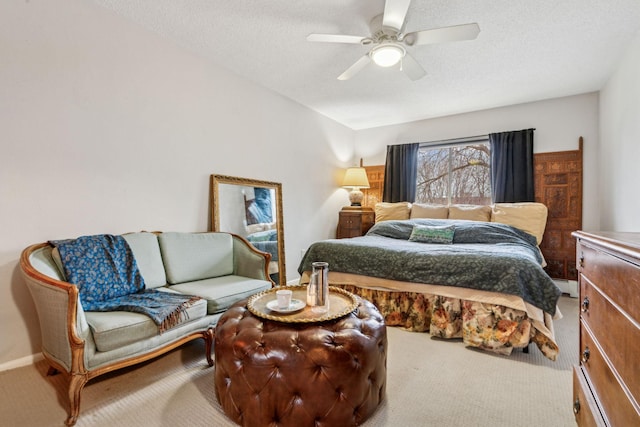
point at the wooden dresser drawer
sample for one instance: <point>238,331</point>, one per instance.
<point>616,277</point>
<point>617,335</point>
<point>608,263</point>
<point>616,404</point>
<point>585,408</point>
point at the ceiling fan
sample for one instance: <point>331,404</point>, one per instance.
<point>390,43</point>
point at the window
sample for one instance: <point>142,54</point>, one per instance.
<point>455,173</point>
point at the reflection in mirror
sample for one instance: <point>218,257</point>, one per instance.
<point>252,209</point>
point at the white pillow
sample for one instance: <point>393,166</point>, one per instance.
<point>530,217</point>
<point>470,212</point>
<point>386,211</point>
<point>255,228</point>
<point>429,211</point>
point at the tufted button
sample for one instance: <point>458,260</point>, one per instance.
<point>268,372</point>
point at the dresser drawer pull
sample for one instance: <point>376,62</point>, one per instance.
<point>576,406</point>
<point>585,305</point>
<point>585,355</point>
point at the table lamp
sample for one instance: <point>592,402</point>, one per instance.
<point>356,178</point>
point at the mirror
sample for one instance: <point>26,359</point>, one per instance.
<point>252,209</point>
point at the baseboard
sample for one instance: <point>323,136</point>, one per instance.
<point>568,287</point>
<point>23,361</point>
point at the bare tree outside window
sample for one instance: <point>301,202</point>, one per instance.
<point>454,175</point>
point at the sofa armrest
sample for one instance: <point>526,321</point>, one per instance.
<point>249,261</point>
<point>64,329</point>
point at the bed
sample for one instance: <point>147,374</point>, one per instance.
<point>480,281</point>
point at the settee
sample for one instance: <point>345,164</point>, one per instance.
<point>220,268</point>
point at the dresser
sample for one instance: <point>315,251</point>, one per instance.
<point>354,221</point>
<point>606,382</point>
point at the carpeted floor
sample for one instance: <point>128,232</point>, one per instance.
<point>429,382</point>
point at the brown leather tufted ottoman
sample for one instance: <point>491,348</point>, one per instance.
<point>269,373</point>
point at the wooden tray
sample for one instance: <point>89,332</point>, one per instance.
<point>341,303</point>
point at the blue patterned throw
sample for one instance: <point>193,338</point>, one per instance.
<point>102,267</point>
<point>107,276</point>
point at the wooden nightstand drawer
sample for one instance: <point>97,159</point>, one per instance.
<point>354,222</point>
<point>350,219</point>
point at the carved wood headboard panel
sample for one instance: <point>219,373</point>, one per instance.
<point>373,194</point>
<point>558,185</point>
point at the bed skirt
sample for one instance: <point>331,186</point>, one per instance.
<point>493,322</point>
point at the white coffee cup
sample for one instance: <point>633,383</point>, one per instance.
<point>284,298</point>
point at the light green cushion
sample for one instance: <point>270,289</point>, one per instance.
<point>196,256</point>
<point>432,234</point>
<point>114,329</point>
<point>146,251</point>
<point>44,260</point>
<point>222,292</point>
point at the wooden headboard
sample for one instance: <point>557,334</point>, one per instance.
<point>558,185</point>
<point>373,194</point>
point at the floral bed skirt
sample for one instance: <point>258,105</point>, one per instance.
<point>487,326</point>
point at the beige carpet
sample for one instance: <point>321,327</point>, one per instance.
<point>429,382</point>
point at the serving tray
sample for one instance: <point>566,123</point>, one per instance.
<point>341,303</point>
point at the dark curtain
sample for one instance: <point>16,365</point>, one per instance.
<point>512,166</point>
<point>400,173</point>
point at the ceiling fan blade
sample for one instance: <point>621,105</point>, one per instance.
<point>355,68</point>
<point>412,68</point>
<point>442,35</point>
<point>395,12</point>
<point>334,38</point>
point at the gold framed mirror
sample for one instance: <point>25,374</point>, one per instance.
<point>252,209</point>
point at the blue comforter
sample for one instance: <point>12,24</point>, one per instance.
<point>484,255</point>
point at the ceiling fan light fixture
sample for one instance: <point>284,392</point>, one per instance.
<point>387,55</point>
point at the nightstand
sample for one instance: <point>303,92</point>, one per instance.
<point>354,221</point>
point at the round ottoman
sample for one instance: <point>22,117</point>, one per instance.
<point>331,373</point>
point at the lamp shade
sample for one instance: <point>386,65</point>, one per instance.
<point>356,178</point>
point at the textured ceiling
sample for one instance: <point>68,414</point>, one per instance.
<point>526,51</point>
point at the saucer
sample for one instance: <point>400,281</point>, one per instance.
<point>295,305</point>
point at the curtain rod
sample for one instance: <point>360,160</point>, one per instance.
<point>463,140</point>
<point>455,141</point>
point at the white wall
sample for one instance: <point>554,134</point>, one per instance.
<point>620,145</point>
<point>558,123</point>
<point>108,128</point>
